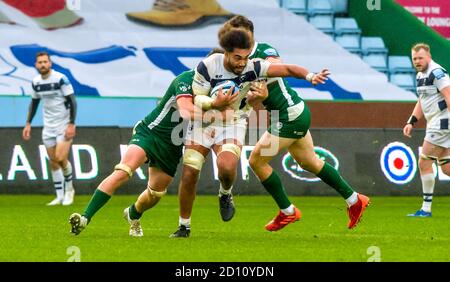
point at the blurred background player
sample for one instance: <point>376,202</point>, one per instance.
<point>433,88</point>
<point>59,108</point>
<point>156,142</point>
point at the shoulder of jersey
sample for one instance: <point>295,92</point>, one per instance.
<point>213,63</point>
<point>36,78</point>
<point>438,71</point>
<point>213,59</point>
<point>57,74</point>
<point>268,50</point>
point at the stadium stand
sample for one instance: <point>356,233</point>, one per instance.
<point>331,17</point>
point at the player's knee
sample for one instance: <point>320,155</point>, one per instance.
<point>189,176</point>
<point>59,158</point>
<point>425,164</point>
<point>156,194</point>
<point>313,165</point>
<point>54,165</point>
<point>227,171</point>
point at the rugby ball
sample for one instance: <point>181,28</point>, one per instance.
<point>225,85</point>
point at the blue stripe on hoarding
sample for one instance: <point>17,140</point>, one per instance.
<point>104,111</point>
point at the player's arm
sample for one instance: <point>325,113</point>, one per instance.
<point>257,94</point>
<point>70,104</point>
<point>416,115</point>
<point>201,86</point>
<point>258,90</point>
<point>442,82</point>
<point>274,60</point>
<point>288,70</point>
<point>189,111</point>
<point>26,133</point>
<point>446,93</point>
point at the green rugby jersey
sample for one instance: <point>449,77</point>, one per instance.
<point>281,95</point>
<point>163,118</point>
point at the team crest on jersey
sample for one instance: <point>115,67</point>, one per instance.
<point>184,87</point>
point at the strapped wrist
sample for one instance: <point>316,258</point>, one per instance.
<point>412,120</point>
<point>310,76</point>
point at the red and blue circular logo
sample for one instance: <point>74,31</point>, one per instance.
<point>398,163</point>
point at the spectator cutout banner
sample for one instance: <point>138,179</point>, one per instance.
<point>434,13</point>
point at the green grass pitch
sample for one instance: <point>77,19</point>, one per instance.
<point>31,231</point>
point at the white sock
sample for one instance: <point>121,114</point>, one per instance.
<point>289,210</point>
<point>223,191</point>
<point>58,182</point>
<point>352,199</point>
<point>67,171</point>
<point>184,221</point>
<point>428,189</point>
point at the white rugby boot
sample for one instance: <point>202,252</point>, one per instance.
<point>78,223</point>
<point>55,202</point>
<point>68,197</point>
<point>135,224</point>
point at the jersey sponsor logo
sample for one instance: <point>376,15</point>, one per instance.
<point>271,52</point>
<point>438,73</point>
<point>296,171</point>
<point>398,163</point>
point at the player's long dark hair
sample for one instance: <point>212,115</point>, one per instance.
<point>235,38</point>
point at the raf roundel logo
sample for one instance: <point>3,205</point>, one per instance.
<point>398,163</point>
<point>296,171</point>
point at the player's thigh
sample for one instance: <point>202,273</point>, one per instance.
<point>197,134</point>
<point>302,150</point>
<point>51,152</point>
<point>197,147</point>
<point>429,149</point>
<point>269,146</point>
<point>134,157</point>
<point>62,149</point>
<point>158,179</point>
<point>430,153</point>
